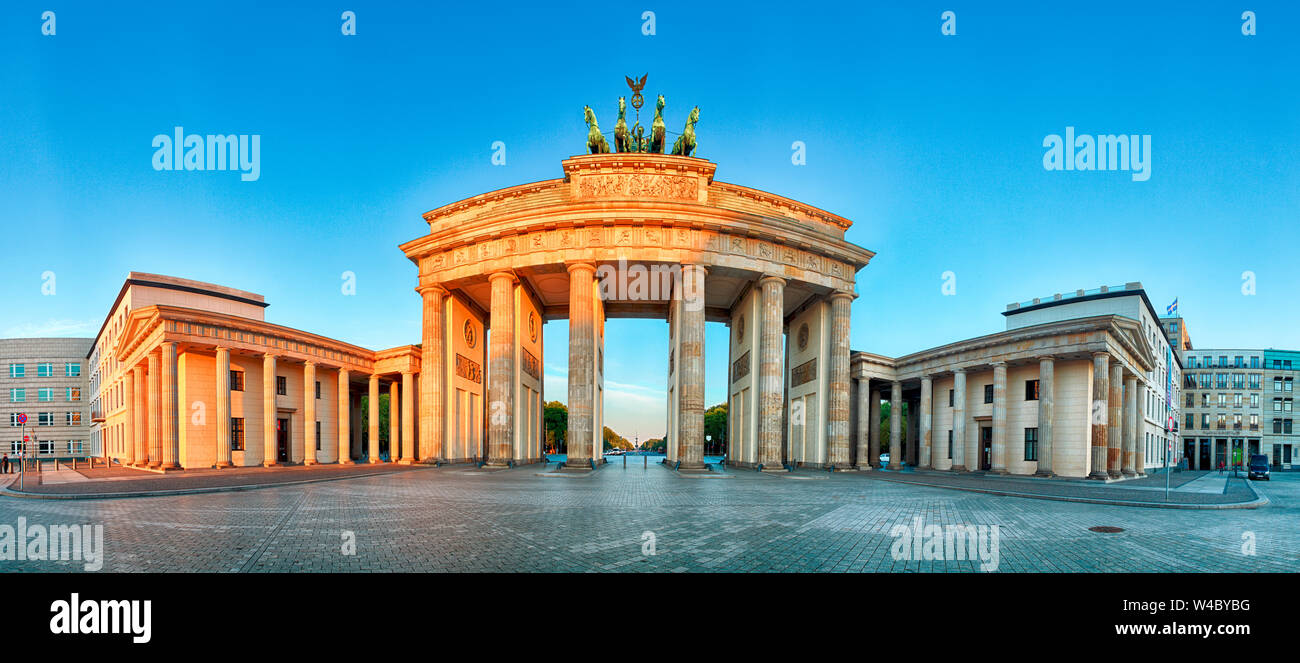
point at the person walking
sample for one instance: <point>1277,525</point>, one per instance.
<point>4,464</point>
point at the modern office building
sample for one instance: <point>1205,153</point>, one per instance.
<point>1082,384</point>
<point>45,379</point>
<point>1239,402</point>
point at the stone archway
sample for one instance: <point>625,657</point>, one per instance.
<point>645,236</point>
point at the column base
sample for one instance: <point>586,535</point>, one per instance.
<point>1114,474</point>
<point>999,472</point>
<point>894,467</point>
<point>223,464</point>
<point>347,461</point>
<point>269,463</point>
<point>375,461</point>
<point>863,468</point>
<point>957,468</point>
<point>922,467</point>
<point>310,462</point>
<point>1128,473</point>
<point>1044,473</point>
<point>405,461</point>
<point>1100,475</point>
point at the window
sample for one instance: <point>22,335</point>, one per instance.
<point>1031,390</point>
<point>47,446</point>
<point>74,394</point>
<point>1205,420</point>
<point>1205,400</point>
<point>1277,384</point>
<point>1236,400</point>
<point>1254,381</point>
<point>318,425</point>
<point>281,385</point>
<point>1191,419</point>
<point>1223,361</point>
<point>74,447</point>
<point>1286,385</point>
<point>1254,362</point>
<point>45,419</point>
<point>237,381</point>
<point>1238,380</point>
<point>17,395</point>
<point>1254,422</point>
<point>17,371</point>
<point>13,419</point>
<point>988,393</point>
<point>1277,405</point>
<point>236,433</point>
<point>45,370</point>
<point>950,439</point>
<point>72,369</point>
<point>45,394</point>
<point>74,418</point>
<point>318,390</point>
<point>1254,400</point>
<point>1237,361</point>
<point>1191,399</point>
<point>1031,444</point>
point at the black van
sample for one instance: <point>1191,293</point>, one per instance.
<point>1259,467</point>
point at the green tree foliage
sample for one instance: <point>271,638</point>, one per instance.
<point>614,440</point>
<point>556,417</point>
<point>715,428</point>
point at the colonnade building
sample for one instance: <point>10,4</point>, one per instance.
<point>1078,385</point>
<point>187,374</point>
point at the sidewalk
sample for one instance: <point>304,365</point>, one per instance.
<point>1188,490</point>
<point>105,482</point>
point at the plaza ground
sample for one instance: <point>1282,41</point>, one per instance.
<point>459,519</point>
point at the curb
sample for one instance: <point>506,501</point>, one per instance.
<point>1253,504</point>
<point>6,492</point>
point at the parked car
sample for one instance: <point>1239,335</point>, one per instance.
<point>1258,468</point>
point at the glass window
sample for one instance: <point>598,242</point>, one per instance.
<point>1031,390</point>
<point>1031,444</point>
<point>45,394</point>
<point>318,430</point>
<point>74,447</point>
<point>74,393</point>
<point>236,381</point>
<point>237,433</point>
<point>17,371</point>
<point>281,385</point>
<point>988,393</point>
<point>1254,362</point>
<point>949,445</point>
<point>45,370</point>
<point>45,419</point>
<point>318,390</point>
<point>72,369</point>
<point>74,418</point>
<point>17,395</point>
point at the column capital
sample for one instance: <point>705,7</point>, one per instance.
<point>771,277</point>
<point>927,378</point>
<point>433,289</point>
<point>1101,353</point>
<point>695,265</point>
<point>959,370</point>
<point>1043,358</point>
<point>998,363</point>
<point>580,265</point>
<point>843,293</point>
<point>503,274</point>
<point>309,362</point>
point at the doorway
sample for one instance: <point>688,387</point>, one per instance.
<point>282,440</point>
<point>986,447</point>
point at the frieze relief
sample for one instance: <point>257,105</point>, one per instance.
<point>638,185</point>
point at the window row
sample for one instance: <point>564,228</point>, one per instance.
<point>47,419</point>
<point>281,383</point>
<point>45,395</point>
<point>71,447</point>
<point>71,369</point>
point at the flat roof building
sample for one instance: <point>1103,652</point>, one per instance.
<point>45,379</point>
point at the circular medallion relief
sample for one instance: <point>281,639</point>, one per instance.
<point>532,326</point>
<point>470,336</point>
<point>740,330</point>
<point>803,336</point>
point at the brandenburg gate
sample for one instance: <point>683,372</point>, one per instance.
<point>635,234</point>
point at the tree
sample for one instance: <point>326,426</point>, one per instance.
<point>715,427</point>
<point>657,445</point>
<point>613,440</point>
<point>556,417</point>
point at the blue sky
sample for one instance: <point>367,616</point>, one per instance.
<point>931,144</point>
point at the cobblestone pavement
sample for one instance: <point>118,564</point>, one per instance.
<point>456,519</point>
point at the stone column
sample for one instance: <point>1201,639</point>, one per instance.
<point>1046,412</point>
<point>395,415</point>
<point>501,370</point>
<point>837,397</point>
<point>344,418</point>
<point>959,420</point>
<point>1100,394</point>
<point>928,450</point>
<point>864,424</point>
<point>141,416</point>
<point>309,413</point>
<point>771,371</point>
<point>155,410</point>
<point>873,459</point>
<point>998,453</point>
<point>1115,422</point>
<point>128,429</point>
<point>270,457</point>
<point>1130,427</point>
<point>690,422</point>
<point>1139,444</point>
<point>170,439</point>
<point>431,375</point>
<point>582,365</point>
<point>372,423</point>
<point>222,458</point>
<point>896,426</point>
<point>408,418</point>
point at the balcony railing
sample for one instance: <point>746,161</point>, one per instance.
<point>97,416</point>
